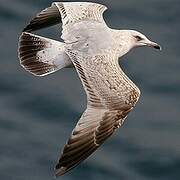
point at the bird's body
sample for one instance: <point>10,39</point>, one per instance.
<point>93,49</point>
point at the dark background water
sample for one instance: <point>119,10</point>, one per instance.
<point>38,114</point>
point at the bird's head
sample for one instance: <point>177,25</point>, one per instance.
<point>138,39</point>
<point>130,39</point>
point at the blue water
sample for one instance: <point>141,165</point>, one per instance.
<point>38,114</point>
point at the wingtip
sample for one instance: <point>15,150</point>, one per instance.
<point>60,171</point>
<point>27,29</point>
<point>46,18</point>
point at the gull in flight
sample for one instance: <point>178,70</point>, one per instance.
<point>93,49</point>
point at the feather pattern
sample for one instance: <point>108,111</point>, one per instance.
<point>109,101</point>
<point>93,48</point>
<point>41,56</point>
<point>80,11</point>
<point>93,128</point>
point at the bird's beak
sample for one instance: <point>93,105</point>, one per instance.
<point>153,45</point>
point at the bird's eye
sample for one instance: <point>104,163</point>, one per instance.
<point>138,38</point>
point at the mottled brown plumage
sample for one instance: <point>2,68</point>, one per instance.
<point>93,49</point>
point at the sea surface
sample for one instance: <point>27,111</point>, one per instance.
<point>37,115</point>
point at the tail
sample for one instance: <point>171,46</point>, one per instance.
<point>41,56</point>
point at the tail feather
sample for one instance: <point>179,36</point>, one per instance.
<point>42,56</point>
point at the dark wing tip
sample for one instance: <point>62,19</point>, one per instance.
<point>48,17</point>
<point>61,171</point>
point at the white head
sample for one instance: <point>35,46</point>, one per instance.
<point>129,39</point>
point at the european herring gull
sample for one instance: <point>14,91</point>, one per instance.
<point>93,49</point>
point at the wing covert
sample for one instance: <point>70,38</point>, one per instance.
<point>105,83</point>
<point>73,12</point>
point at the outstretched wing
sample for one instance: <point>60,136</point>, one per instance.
<point>66,12</point>
<point>93,128</point>
<point>106,110</point>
